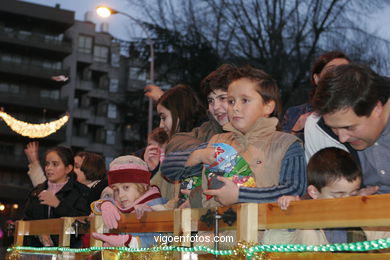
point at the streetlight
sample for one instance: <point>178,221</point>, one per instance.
<point>105,11</point>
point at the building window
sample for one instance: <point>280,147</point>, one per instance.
<point>85,44</point>
<point>114,84</point>
<point>100,54</point>
<point>115,59</point>
<point>137,73</point>
<point>110,138</point>
<point>112,112</point>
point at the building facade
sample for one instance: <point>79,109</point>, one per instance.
<point>38,44</point>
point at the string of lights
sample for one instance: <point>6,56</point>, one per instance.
<point>247,250</point>
<point>33,130</point>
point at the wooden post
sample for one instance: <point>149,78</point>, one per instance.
<point>64,239</point>
<point>247,222</point>
<point>98,227</point>
<point>20,230</point>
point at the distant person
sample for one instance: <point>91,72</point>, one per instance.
<point>353,102</point>
<point>295,117</point>
<point>61,195</point>
<point>90,169</point>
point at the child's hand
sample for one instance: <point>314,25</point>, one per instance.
<point>205,156</point>
<point>48,198</point>
<point>114,240</point>
<point>152,156</point>
<point>368,191</point>
<point>186,203</point>
<point>284,201</point>
<point>31,152</point>
<point>228,194</point>
<point>110,215</point>
<point>154,92</point>
<point>140,209</point>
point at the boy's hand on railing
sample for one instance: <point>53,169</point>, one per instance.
<point>48,198</point>
<point>228,194</point>
<point>110,215</point>
<point>370,190</point>
<point>140,209</point>
<point>284,201</point>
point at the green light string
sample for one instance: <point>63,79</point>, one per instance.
<point>288,248</point>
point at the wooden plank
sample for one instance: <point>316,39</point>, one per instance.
<point>43,227</point>
<point>159,221</point>
<point>246,219</point>
<point>356,211</point>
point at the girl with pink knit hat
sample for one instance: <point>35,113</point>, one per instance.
<point>129,178</point>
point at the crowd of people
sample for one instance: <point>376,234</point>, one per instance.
<point>238,150</point>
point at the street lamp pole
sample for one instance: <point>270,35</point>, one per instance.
<point>105,11</point>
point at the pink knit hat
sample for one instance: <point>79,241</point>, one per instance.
<point>128,168</point>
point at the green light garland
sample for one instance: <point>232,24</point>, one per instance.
<point>288,248</point>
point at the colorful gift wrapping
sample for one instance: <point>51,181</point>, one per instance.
<point>228,163</point>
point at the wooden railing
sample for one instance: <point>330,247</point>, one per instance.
<point>366,211</point>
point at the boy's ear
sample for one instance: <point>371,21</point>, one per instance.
<point>316,78</point>
<point>269,108</point>
<point>313,192</point>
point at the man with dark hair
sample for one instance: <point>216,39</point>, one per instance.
<point>353,103</point>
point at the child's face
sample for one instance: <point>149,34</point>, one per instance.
<point>55,169</point>
<point>218,105</point>
<point>125,193</point>
<point>165,118</point>
<point>78,161</point>
<point>341,188</point>
<point>245,105</point>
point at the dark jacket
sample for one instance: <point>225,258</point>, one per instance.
<point>73,201</point>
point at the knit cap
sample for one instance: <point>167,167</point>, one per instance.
<point>130,169</point>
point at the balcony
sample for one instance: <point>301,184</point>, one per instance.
<point>33,101</point>
<point>13,161</point>
<point>84,57</point>
<point>83,113</point>
<point>80,141</point>
<point>97,120</point>
<point>30,70</point>
<point>99,93</point>
<point>36,41</point>
<point>84,85</point>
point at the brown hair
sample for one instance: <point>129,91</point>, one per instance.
<point>266,86</point>
<point>185,107</point>
<point>320,63</point>
<point>330,164</point>
<point>65,154</point>
<point>218,79</point>
<point>93,166</point>
<point>159,135</point>
<point>350,86</point>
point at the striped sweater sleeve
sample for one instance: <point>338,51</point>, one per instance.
<point>292,180</point>
<point>173,165</point>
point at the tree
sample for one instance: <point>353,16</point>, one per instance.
<point>283,37</point>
